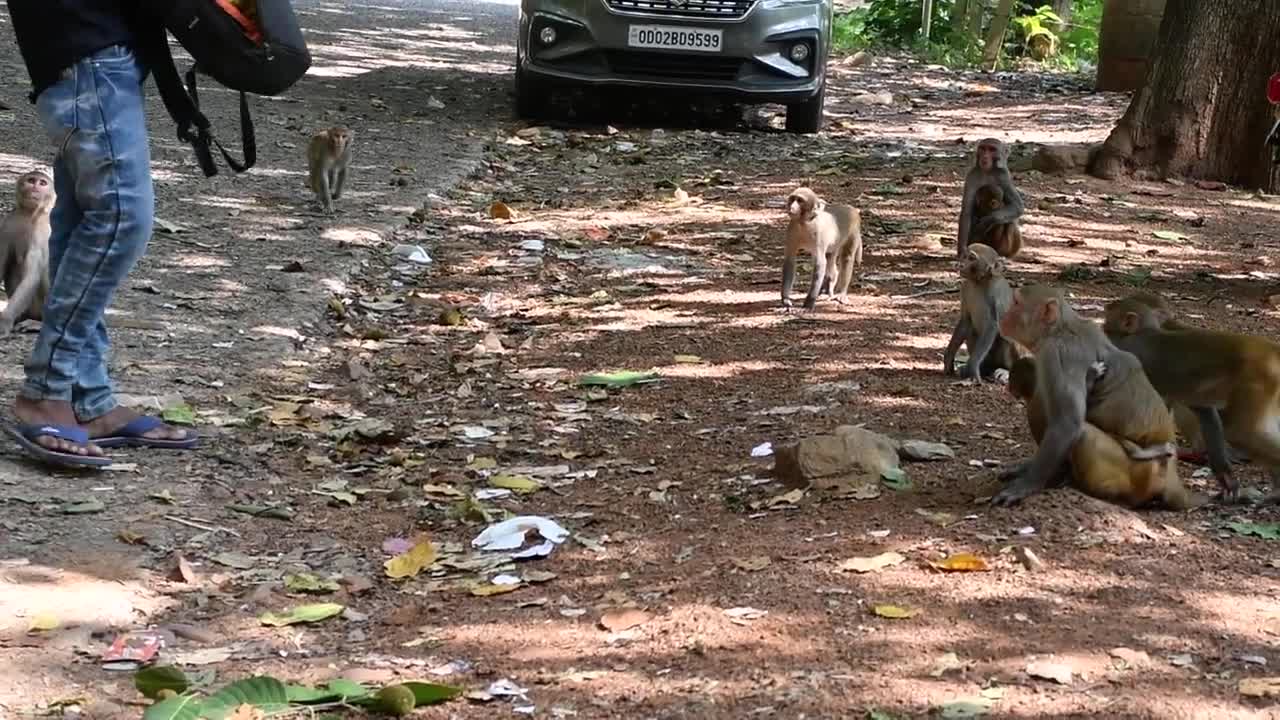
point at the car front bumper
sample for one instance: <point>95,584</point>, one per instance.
<point>592,49</point>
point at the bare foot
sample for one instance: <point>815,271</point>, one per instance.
<point>53,412</point>
<point>110,423</point>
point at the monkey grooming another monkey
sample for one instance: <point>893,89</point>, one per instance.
<point>328,156</point>
<point>1006,239</point>
<point>984,297</point>
<point>1230,381</point>
<point>24,250</point>
<point>832,234</point>
<point>990,168</point>
<point>1100,466</point>
<point>1122,403</point>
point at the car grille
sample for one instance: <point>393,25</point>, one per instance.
<point>670,65</point>
<point>725,9</point>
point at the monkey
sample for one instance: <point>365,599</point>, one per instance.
<point>984,297</point>
<point>1121,402</point>
<point>1230,381</point>
<point>1005,238</point>
<point>328,156</point>
<point>1100,465</point>
<point>832,234</point>
<point>990,167</point>
<point>24,250</point>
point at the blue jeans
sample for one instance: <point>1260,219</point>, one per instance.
<point>94,116</point>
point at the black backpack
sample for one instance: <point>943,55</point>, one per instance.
<point>251,46</point>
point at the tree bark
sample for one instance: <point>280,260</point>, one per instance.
<point>1062,8</point>
<point>1202,111</point>
<point>995,35</point>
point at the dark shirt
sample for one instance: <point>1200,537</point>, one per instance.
<point>53,35</point>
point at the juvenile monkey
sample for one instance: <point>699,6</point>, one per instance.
<point>24,250</point>
<point>1005,238</point>
<point>984,297</point>
<point>1229,380</point>
<point>1100,465</point>
<point>1121,403</point>
<point>328,156</point>
<point>832,234</point>
<point>990,167</point>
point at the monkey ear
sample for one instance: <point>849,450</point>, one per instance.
<point>820,205</point>
<point>1131,322</point>
<point>1049,311</point>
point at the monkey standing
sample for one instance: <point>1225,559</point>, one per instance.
<point>1230,381</point>
<point>984,296</point>
<point>24,250</point>
<point>1006,239</point>
<point>990,168</point>
<point>1122,402</point>
<point>1100,466</point>
<point>832,234</point>
<point>328,156</point>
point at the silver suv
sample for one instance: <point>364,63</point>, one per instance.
<point>754,51</point>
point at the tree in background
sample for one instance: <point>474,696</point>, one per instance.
<point>1203,111</point>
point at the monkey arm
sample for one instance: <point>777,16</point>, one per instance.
<point>969,194</point>
<point>32,268</point>
<point>962,330</point>
<point>1215,445</point>
<point>986,340</point>
<point>819,273</point>
<point>1066,411</point>
<point>788,275</point>
<point>1013,207</point>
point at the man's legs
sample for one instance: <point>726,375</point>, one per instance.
<point>101,225</point>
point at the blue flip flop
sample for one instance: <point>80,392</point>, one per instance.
<point>26,436</point>
<point>133,434</point>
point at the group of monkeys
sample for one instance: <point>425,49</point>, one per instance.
<point>24,232</point>
<point>1104,403</point>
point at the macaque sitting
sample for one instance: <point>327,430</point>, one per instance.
<point>24,251</point>
<point>990,169</point>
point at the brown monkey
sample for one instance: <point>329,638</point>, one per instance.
<point>328,156</point>
<point>990,167</point>
<point>984,297</point>
<point>24,250</point>
<point>1122,403</point>
<point>1100,466</point>
<point>1005,238</point>
<point>1231,382</point>
<point>832,234</point>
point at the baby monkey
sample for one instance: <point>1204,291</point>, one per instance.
<point>328,156</point>
<point>832,234</point>
<point>24,250</point>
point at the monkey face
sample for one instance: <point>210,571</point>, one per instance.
<point>988,154</point>
<point>802,204</point>
<point>339,139</point>
<point>35,190</point>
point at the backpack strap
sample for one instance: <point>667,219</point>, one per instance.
<point>183,104</point>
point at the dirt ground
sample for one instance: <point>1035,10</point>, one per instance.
<point>692,585</point>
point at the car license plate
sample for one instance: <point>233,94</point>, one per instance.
<point>668,37</point>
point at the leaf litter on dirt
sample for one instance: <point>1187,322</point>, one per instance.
<point>620,378</point>
<point>1266,531</point>
<point>894,612</point>
<point>413,561</point>
<point>872,564</point>
<point>961,562</point>
<point>302,614</point>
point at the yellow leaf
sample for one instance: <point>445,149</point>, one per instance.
<point>487,589</point>
<point>129,537</point>
<point>500,211</point>
<point>872,564</point>
<point>445,490</point>
<point>482,463</point>
<point>517,483</point>
<point>688,359</point>
<point>962,562</point>
<point>894,612</point>
<point>409,564</point>
<point>43,622</point>
<point>1259,687</point>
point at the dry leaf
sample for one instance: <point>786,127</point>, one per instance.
<point>894,612</point>
<point>945,664</point>
<point>487,589</point>
<point>1259,687</point>
<point>962,562</point>
<point>752,564</point>
<point>42,622</point>
<point>624,619</point>
<point>1056,672</point>
<point>871,564</point>
<point>422,555</point>
<point>499,211</point>
<point>129,537</point>
<point>789,498</point>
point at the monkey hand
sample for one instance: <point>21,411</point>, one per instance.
<point>984,225</point>
<point>1020,486</point>
<point>972,373</point>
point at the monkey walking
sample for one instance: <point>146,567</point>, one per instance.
<point>990,168</point>
<point>1122,403</point>
<point>832,234</point>
<point>984,296</point>
<point>24,250</point>
<point>328,156</point>
<point>1005,238</point>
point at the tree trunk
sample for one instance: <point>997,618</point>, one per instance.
<point>1062,8</point>
<point>995,35</point>
<point>974,11</point>
<point>1202,111</point>
<point>959,16</point>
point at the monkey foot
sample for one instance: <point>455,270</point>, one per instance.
<point>1014,492</point>
<point>27,436</point>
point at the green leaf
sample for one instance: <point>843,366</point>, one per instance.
<point>180,414</point>
<point>337,690</point>
<point>1169,235</point>
<point>966,708</point>
<point>178,707</point>
<point>1266,531</point>
<point>277,512</point>
<point>150,681</point>
<point>343,688</point>
<point>84,507</point>
<point>621,378</point>
<point>424,693</point>
<point>895,478</point>
<point>302,614</point>
<point>263,692</point>
<point>308,583</point>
